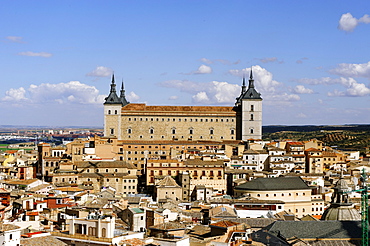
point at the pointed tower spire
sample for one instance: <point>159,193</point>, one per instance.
<point>251,80</point>
<point>243,86</point>
<point>113,85</point>
<point>112,98</point>
<point>122,90</point>
<point>122,95</point>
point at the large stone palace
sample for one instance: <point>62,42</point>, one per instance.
<point>138,121</point>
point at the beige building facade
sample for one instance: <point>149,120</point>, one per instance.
<point>138,121</point>
<point>293,191</point>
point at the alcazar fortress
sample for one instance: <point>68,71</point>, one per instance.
<point>138,121</point>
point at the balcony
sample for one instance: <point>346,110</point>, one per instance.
<point>79,237</point>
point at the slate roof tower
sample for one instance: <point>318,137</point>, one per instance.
<point>249,112</point>
<point>112,110</point>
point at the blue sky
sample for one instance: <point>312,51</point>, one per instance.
<point>310,59</point>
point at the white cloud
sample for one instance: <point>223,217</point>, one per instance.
<point>15,39</point>
<point>30,53</point>
<point>263,78</point>
<point>100,71</point>
<point>216,92</point>
<point>203,69</point>
<point>326,81</point>
<point>352,70</point>
<point>205,60</point>
<point>212,92</point>
<point>201,97</point>
<point>173,98</point>
<point>365,19</point>
<point>348,23</point>
<point>132,97</point>
<point>270,59</point>
<point>14,95</point>
<point>62,93</point>
<point>300,89</point>
<point>354,89</point>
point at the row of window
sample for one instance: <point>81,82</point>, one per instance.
<point>177,147</point>
<point>194,173</point>
<point>110,112</point>
<point>107,171</point>
<point>179,120</point>
<point>173,131</point>
<point>65,179</point>
<point>51,164</point>
<point>282,194</point>
<point>124,181</point>
<point>149,152</point>
<point>190,137</point>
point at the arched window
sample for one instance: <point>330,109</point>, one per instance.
<point>252,131</point>
<point>151,130</point>
<point>129,131</point>
<point>252,117</point>
<point>115,111</point>
<point>173,130</point>
<point>109,111</point>
<point>211,131</point>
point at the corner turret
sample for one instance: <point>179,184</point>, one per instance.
<point>112,98</point>
<point>249,112</point>
<point>122,96</point>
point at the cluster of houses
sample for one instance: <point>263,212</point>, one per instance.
<point>104,191</point>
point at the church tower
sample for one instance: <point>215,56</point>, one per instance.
<point>248,109</point>
<point>112,111</point>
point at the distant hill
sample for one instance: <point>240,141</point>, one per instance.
<point>356,137</point>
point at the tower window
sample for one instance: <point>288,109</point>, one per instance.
<point>109,111</point>
<point>251,117</point>
<point>112,131</point>
<point>151,130</point>
<point>211,131</point>
<point>115,111</point>
<point>252,107</point>
<point>232,131</point>
<point>129,131</point>
<point>252,131</point>
<point>191,131</point>
<point>173,130</point>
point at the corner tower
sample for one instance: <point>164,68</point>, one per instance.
<point>112,111</point>
<point>248,109</point>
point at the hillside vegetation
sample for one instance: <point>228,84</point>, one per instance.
<point>351,137</point>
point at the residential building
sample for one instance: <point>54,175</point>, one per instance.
<point>293,191</point>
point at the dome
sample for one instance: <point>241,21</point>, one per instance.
<point>341,213</point>
<point>340,207</point>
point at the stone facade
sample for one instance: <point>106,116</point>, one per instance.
<point>138,121</point>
